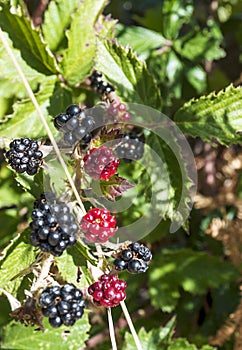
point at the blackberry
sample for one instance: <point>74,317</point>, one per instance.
<point>75,125</point>
<point>102,87</point>
<point>131,147</point>
<point>108,291</point>
<point>53,227</point>
<point>24,156</point>
<point>55,306</point>
<point>134,258</point>
<point>98,225</point>
<point>101,163</point>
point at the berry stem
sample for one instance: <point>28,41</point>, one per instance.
<point>45,269</point>
<point>131,326</point>
<point>47,128</point>
<point>111,329</point>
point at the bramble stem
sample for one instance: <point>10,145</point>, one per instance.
<point>45,269</point>
<point>111,329</point>
<point>131,326</point>
<point>47,128</point>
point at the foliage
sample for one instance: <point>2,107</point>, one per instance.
<point>169,58</point>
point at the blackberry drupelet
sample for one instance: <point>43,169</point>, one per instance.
<point>108,291</point>
<point>62,305</point>
<point>131,147</point>
<point>53,227</point>
<point>134,258</point>
<point>75,124</point>
<point>24,156</point>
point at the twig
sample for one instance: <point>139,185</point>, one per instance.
<point>111,329</point>
<point>131,326</point>
<point>40,281</point>
<point>47,128</point>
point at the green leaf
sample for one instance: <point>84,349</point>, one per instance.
<point>197,78</point>
<point>153,340</point>
<point>11,83</point>
<point>214,116</point>
<point>189,270</point>
<point>25,120</point>
<point>127,73</point>
<point>78,58</point>
<point>175,13</point>
<point>17,336</point>
<point>181,344</point>
<point>142,40</point>
<point>73,272</point>
<point>17,256</point>
<point>28,40</point>
<point>199,45</point>
<point>105,26</point>
<point>57,18</point>
<point>31,184</point>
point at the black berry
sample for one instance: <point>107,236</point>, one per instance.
<point>53,227</point>
<point>75,125</point>
<point>24,156</point>
<point>131,147</point>
<point>134,258</point>
<point>55,306</point>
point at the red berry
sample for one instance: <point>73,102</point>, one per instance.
<point>111,293</point>
<point>98,225</point>
<point>121,107</point>
<point>126,116</point>
<point>101,163</point>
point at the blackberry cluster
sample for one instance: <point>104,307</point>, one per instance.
<point>131,147</point>
<point>24,155</point>
<point>63,305</point>
<point>118,112</point>
<point>53,227</point>
<point>101,163</point>
<point>108,291</point>
<point>102,87</point>
<point>134,259</point>
<point>75,125</point>
<point>98,225</point>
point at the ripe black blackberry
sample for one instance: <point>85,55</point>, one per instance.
<point>131,147</point>
<point>53,227</point>
<point>62,305</point>
<point>24,155</point>
<point>134,258</point>
<point>75,125</point>
<point>102,87</point>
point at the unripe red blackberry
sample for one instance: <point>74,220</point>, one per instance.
<point>53,227</point>
<point>101,163</point>
<point>109,291</point>
<point>98,225</point>
<point>62,305</point>
<point>24,156</point>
